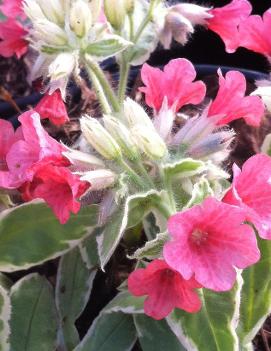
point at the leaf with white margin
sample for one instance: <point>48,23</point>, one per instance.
<point>201,190</point>
<point>255,295</point>
<point>73,288</point>
<point>33,321</point>
<point>186,167</point>
<point>131,213</point>
<point>156,335</point>
<point>213,328</point>
<point>126,303</point>
<point>30,234</point>
<point>107,47</point>
<point>152,249</point>
<point>110,332</point>
<point>89,249</point>
<point>5,311</point>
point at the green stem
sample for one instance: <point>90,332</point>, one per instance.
<point>131,27</point>
<point>99,91</point>
<point>124,74</point>
<point>107,89</point>
<point>145,22</point>
<point>132,174</point>
<point>164,209</point>
<point>142,169</point>
<point>168,187</point>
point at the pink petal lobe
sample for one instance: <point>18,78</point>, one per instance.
<point>12,34</point>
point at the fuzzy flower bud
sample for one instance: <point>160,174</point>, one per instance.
<point>80,18</point>
<point>99,138</point>
<point>194,13</point>
<point>122,135</point>
<point>33,10</point>
<point>53,10</point>
<point>49,32</point>
<point>149,142</point>
<point>82,161</point>
<point>134,114</point>
<point>115,11</point>
<point>129,6</point>
<point>62,66</point>
<point>99,179</point>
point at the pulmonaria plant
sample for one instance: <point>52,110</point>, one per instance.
<point>200,244</point>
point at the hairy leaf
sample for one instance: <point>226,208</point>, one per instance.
<point>5,310</point>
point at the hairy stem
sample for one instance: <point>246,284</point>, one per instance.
<point>123,78</point>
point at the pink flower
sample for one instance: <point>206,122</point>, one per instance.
<point>251,190</point>
<point>175,83</point>
<point>232,102</point>
<point>226,20</point>
<point>12,8</point>
<point>13,41</point>
<point>255,33</point>
<point>58,187</point>
<point>30,145</point>
<point>209,241</point>
<point>166,289</point>
<point>53,107</point>
<point>7,138</point>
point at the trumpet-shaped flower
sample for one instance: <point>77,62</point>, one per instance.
<point>13,41</point>
<point>53,107</point>
<point>251,190</point>
<point>166,289</point>
<point>255,33</point>
<point>232,103</point>
<point>175,83</point>
<point>226,20</point>
<point>58,187</point>
<point>209,241</point>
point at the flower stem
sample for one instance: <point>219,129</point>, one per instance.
<point>132,174</point>
<point>145,22</point>
<point>123,75</point>
<point>107,89</point>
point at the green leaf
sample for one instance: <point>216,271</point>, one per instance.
<point>156,335</point>
<point>89,249</point>
<point>152,249</point>
<point>33,320</point>
<point>213,327</point>
<point>255,295</point>
<point>133,211</point>
<point>5,310</point>
<point>110,46</point>
<point>30,234</point>
<point>110,332</point>
<point>184,168</point>
<point>201,190</point>
<point>126,303</point>
<point>73,288</point>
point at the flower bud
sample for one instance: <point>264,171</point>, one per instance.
<point>264,91</point>
<point>115,11</point>
<point>99,138</point>
<point>194,13</point>
<point>82,161</point>
<point>33,10</point>
<point>53,10</point>
<point>99,179</point>
<point>129,6</point>
<point>80,18</point>
<point>62,66</point>
<point>149,142</point>
<point>122,135</point>
<point>134,114</point>
<point>49,32</point>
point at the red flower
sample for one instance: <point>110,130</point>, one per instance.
<point>251,190</point>
<point>166,289</point>
<point>231,102</point>
<point>175,83</point>
<point>13,41</point>
<point>53,107</point>
<point>255,33</point>
<point>208,242</point>
<point>58,187</point>
<point>226,20</point>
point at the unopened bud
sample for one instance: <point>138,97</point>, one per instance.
<point>149,142</point>
<point>129,6</point>
<point>50,32</point>
<point>80,18</point>
<point>134,114</point>
<point>99,138</point>
<point>33,10</point>
<point>122,135</point>
<point>53,10</point>
<point>82,161</point>
<point>115,11</point>
<point>194,13</point>
<point>99,179</point>
<point>62,66</point>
